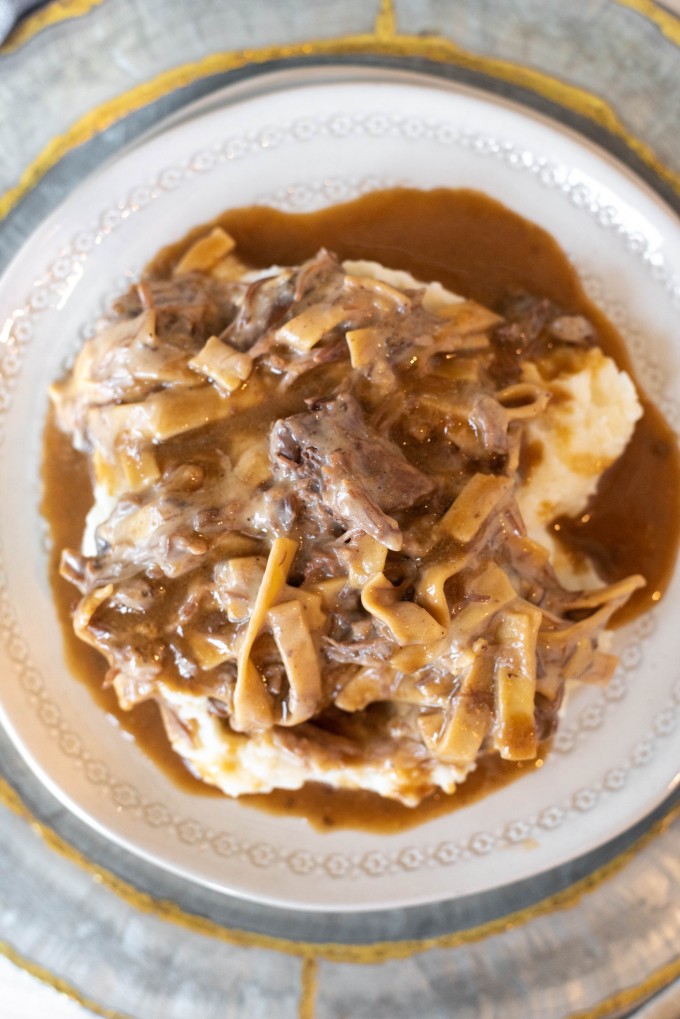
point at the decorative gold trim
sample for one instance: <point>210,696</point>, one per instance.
<point>52,14</point>
<point>56,983</point>
<point>629,997</point>
<point>386,20</point>
<point>309,980</point>
<point>382,42</point>
<point>666,21</point>
<point>311,953</point>
<point>386,41</point>
<point>385,25</point>
<point>379,951</point>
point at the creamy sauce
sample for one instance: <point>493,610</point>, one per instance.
<point>481,250</point>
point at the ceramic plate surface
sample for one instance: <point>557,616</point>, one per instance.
<point>298,149</point>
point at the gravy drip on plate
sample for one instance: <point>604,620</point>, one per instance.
<point>479,249</point>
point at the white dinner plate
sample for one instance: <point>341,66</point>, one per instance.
<point>301,145</point>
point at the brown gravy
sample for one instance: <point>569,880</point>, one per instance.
<point>482,250</point>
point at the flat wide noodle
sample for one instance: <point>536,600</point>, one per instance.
<point>252,706</point>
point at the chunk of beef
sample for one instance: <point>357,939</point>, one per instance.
<point>264,303</point>
<point>357,474</point>
<point>268,301</point>
<point>188,309</point>
<point>532,326</point>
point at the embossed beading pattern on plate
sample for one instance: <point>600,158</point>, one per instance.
<point>64,273</point>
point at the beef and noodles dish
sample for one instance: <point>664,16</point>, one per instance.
<point>322,538</point>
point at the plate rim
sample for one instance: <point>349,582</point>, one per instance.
<point>430,82</point>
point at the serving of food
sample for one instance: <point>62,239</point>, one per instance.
<point>322,538</point>
<point>342,549</point>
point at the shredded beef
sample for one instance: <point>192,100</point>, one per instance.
<point>531,326</point>
<point>357,474</point>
